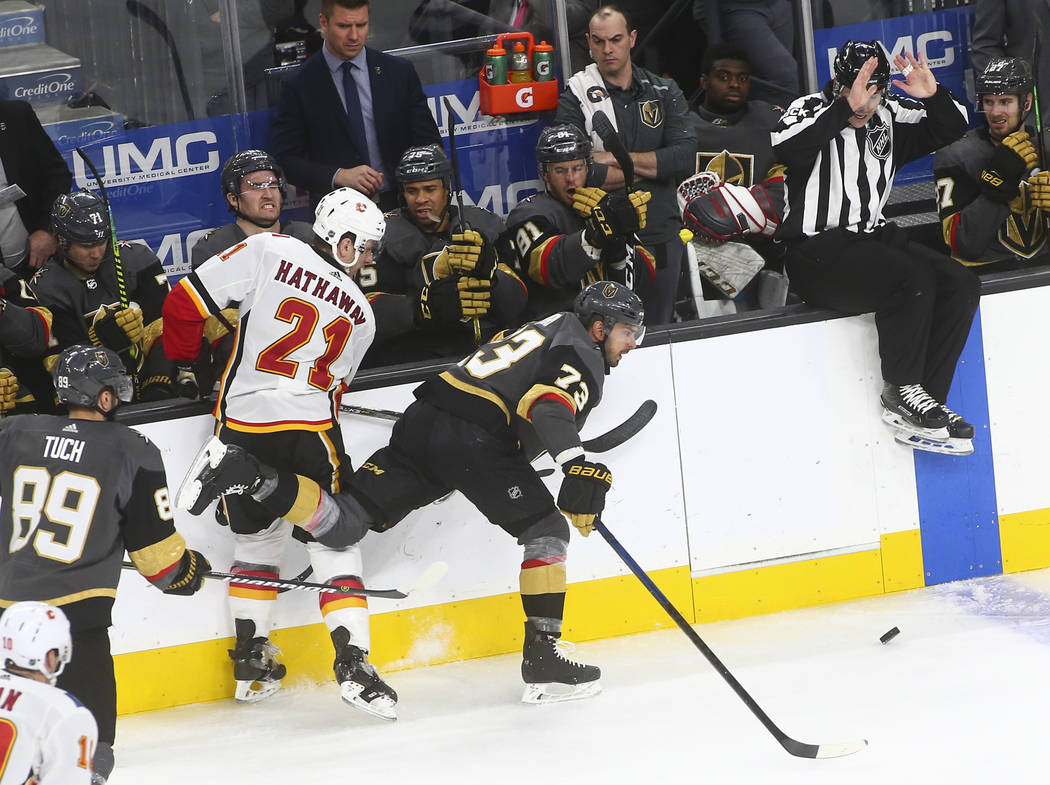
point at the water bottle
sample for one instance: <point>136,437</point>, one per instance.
<point>543,62</point>
<point>496,65</point>
<point>518,70</point>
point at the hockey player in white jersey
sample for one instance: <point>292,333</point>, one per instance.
<point>46,736</point>
<point>304,328</point>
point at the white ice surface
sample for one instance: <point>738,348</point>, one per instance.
<point>960,696</point>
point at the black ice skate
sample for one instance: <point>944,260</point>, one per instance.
<point>959,441</point>
<point>257,672</point>
<point>549,675</point>
<point>913,411</point>
<point>217,470</point>
<point>360,684</point>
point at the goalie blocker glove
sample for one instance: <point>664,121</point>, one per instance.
<point>454,298</point>
<point>582,493</point>
<point>116,328</point>
<point>730,211</point>
<point>1001,178</point>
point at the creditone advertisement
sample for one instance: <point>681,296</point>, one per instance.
<point>163,182</point>
<point>942,37</point>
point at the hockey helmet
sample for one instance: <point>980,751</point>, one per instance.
<point>245,162</point>
<point>79,217</point>
<point>28,631</point>
<point>346,211</point>
<point>564,142</point>
<point>424,162</point>
<point>1003,76</point>
<point>82,372</point>
<point>611,302</point>
<point>852,55</point>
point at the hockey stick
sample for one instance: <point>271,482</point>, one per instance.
<point>1040,142</point>
<point>604,442</point>
<point>603,126</point>
<point>429,577</point>
<point>796,748</point>
<point>149,16</point>
<point>450,121</point>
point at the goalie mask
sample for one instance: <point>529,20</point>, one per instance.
<point>344,212</point>
<point>559,143</point>
<point>83,372</point>
<point>611,302</point>
<point>79,217</point>
<point>851,58</point>
<point>28,631</point>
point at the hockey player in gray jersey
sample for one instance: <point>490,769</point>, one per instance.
<point>429,305</point>
<point>25,332</point>
<point>561,243</point>
<point>93,303</point>
<point>987,199</point>
<point>474,428</point>
<point>76,493</point>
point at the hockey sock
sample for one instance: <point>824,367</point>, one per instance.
<point>342,568</point>
<point>542,583</point>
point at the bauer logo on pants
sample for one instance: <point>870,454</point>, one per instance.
<point>652,113</point>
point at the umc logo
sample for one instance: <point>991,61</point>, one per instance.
<point>166,159</point>
<point>934,45</point>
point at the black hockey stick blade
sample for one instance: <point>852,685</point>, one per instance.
<point>365,411</point>
<point>430,576</point>
<point>797,748</point>
<point>624,431</point>
<point>603,126</point>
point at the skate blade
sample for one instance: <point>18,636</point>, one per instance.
<point>929,434</point>
<point>380,706</point>
<point>255,691</point>
<point>958,447</point>
<point>555,692</point>
<point>209,456</point>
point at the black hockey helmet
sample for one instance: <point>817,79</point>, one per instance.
<point>612,302</point>
<point>852,55</point>
<point>79,217</point>
<point>563,142</point>
<point>82,372</point>
<point>1005,76</point>
<point>245,162</point>
<point>424,162</point>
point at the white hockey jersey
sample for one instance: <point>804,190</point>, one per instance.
<point>45,734</point>
<point>304,329</point>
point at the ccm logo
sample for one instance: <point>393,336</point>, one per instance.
<point>523,97</point>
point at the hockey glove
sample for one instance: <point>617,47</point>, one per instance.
<point>190,576</point>
<point>730,211</point>
<point>8,390</point>
<point>186,382</point>
<point>582,494</point>
<point>116,328</point>
<point>1001,177</point>
<point>1039,190</point>
<point>469,254</point>
<point>454,298</point>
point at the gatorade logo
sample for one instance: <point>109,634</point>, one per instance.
<point>523,98</point>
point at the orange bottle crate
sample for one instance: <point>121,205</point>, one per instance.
<point>497,99</point>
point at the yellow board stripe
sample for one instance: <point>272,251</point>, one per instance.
<point>1025,540</point>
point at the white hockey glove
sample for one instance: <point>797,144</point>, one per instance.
<point>728,211</point>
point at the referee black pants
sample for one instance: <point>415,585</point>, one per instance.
<point>923,301</point>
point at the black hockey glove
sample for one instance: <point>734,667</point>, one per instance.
<point>190,576</point>
<point>186,382</point>
<point>582,494</point>
<point>116,328</point>
<point>1001,176</point>
<point>609,218</point>
<point>8,390</point>
<point>454,298</point>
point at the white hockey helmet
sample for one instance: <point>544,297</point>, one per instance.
<point>28,631</point>
<point>346,211</point>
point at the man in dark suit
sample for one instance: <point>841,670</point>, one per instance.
<point>30,162</point>
<point>346,117</point>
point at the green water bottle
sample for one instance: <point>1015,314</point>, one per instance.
<point>496,65</point>
<point>543,62</point>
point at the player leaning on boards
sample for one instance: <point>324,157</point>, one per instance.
<point>991,205</point>
<point>304,328</point>
<point>76,493</point>
<point>46,735</point>
<point>473,428</point>
<point>569,235</point>
<point>841,148</point>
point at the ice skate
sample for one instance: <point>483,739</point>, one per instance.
<point>218,469</point>
<point>255,668</point>
<point>914,412</point>
<point>359,683</point>
<point>549,676</point>
<point>959,441</point>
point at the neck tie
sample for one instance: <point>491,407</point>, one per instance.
<point>353,111</point>
<point>519,15</point>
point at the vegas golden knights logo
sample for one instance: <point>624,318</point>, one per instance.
<point>734,168</point>
<point>1023,232</point>
<point>609,292</point>
<point>652,113</point>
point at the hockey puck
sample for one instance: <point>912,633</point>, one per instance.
<point>890,635</point>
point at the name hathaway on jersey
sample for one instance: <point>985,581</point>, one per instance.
<point>303,280</point>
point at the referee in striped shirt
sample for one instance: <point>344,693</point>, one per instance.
<point>841,148</point>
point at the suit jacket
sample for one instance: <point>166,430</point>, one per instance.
<point>311,136</point>
<point>31,160</point>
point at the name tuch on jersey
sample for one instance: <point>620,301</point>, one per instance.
<point>321,287</point>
